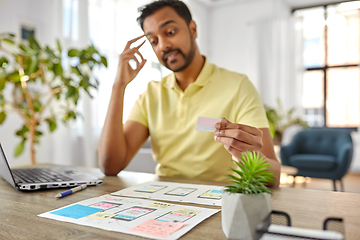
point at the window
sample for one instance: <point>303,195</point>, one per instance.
<point>70,19</point>
<point>330,96</point>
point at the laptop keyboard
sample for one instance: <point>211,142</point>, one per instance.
<point>37,175</point>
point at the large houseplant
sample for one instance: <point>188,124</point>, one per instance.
<point>247,200</point>
<point>36,84</point>
<point>280,119</point>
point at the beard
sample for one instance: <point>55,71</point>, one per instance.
<point>188,57</point>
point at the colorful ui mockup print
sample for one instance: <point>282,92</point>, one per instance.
<point>150,219</point>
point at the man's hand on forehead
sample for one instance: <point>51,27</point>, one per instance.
<point>138,59</point>
<point>129,43</point>
<point>131,62</point>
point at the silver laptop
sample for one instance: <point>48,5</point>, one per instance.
<point>41,178</point>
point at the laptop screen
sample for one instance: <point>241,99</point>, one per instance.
<point>5,169</point>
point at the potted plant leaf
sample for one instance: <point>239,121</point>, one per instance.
<point>36,84</point>
<point>247,200</point>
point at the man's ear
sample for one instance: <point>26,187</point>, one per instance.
<point>192,27</point>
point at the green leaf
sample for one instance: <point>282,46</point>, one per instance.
<point>8,41</point>
<point>72,114</point>
<point>14,77</point>
<point>235,178</point>
<point>76,70</point>
<point>33,43</point>
<point>37,105</point>
<point>27,49</point>
<point>19,149</point>
<point>52,124</point>
<point>22,131</point>
<point>50,52</point>
<point>4,62</point>
<point>58,45</point>
<point>2,117</point>
<point>71,91</point>
<point>66,80</point>
<point>241,166</point>
<point>38,133</point>
<point>90,50</point>
<point>68,115</point>
<point>272,129</point>
<point>73,53</point>
<point>104,61</point>
<point>76,96</point>
<point>2,84</point>
<point>34,64</point>
<point>58,69</point>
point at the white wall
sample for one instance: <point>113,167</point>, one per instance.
<point>230,31</point>
<point>44,15</point>
<point>202,15</point>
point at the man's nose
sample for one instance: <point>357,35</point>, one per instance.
<point>164,44</point>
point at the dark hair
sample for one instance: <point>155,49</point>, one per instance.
<point>150,8</point>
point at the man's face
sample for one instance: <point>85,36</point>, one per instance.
<point>171,38</point>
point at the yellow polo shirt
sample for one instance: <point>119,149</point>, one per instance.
<point>171,114</point>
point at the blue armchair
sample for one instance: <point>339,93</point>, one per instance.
<point>319,153</point>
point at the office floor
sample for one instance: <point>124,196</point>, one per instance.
<point>351,183</point>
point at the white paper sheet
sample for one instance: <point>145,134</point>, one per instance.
<point>123,214</point>
<point>175,192</point>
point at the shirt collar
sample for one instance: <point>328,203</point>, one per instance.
<point>202,79</point>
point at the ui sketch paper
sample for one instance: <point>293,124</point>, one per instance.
<point>150,219</point>
<point>175,192</point>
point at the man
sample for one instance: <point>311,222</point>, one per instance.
<point>168,110</point>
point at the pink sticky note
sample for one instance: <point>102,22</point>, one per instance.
<point>156,228</point>
<point>208,121</point>
<point>206,124</point>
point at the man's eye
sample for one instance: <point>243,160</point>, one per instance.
<point>153,42</point>
<point>171,32</point>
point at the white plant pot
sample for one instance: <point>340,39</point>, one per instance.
<point>240,214</point>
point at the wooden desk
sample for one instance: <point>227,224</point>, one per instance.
<point>19,210</point>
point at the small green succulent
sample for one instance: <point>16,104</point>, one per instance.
<point>252,176</point>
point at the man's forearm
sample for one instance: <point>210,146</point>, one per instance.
<point>274,167</point>
<point>112,146</point>
<point>276,170</point>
